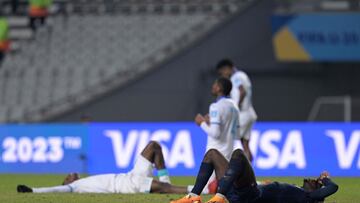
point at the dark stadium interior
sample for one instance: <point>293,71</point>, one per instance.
<point>218,100</point>
<point>176,86</point>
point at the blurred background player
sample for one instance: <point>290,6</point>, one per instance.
<point>241,93</point>
<point>38,12</point>
<point>4,38</point>
<point>138,180</point>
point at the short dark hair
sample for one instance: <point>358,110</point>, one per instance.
<point>224,63</point>
<point>310,185</point>
<point>225,84</point>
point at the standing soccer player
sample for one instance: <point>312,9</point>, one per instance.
<point>241,93</point>
<point>222,123</point>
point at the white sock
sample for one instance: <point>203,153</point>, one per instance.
<point>163,175</point>
<point>56,189</point>
<point>189,188</point>
<point>193,194</point>
<point>165,179</point>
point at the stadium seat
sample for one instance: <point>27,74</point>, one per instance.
<point>95,49</point>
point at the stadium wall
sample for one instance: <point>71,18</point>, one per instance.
<point>180,87</point>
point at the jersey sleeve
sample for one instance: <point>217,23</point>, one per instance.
<point>237,80</point>
<point>214,114</point>
<point>328,189</point>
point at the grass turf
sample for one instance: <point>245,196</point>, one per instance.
<point>349,191</point>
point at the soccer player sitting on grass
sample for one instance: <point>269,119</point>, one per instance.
<point>138,180</point>
<point>237,184</point>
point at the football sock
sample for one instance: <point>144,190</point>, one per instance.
<point>234,170</point>
<point>189,188</point>
<point>202,178</point>
<point>56,189</point>
<point>193,194</point>
<point>163,175</point>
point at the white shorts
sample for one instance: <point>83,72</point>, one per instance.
<point>247,120</point>
<point>245,131</point>
<point>138,180</point>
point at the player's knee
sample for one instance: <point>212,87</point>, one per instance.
<point>244,141</point>
<point>237,154</point>
<point>210,154</point>
<point>154,145</point>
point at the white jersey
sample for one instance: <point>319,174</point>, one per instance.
<point>240,78</point>
<point>138,180</point>
<point>225,114</point>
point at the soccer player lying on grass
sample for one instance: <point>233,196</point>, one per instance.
<point>237,184</point>
<point>138,180</point>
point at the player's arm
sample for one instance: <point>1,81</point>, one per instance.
<point>238,83</point>
<point>242,95</point>
<point>210,125</point>
<point>328,189</point>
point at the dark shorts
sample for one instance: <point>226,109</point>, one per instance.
<point>243,195</point>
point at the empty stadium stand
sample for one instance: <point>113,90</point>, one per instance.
<point>90,47</point>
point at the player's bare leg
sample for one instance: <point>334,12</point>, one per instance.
<point>153,153</point>
<point>161,187</point>
<point>218,161</point>
<point>245,144</point>
<point>239,174</point>
<point>213,160</point>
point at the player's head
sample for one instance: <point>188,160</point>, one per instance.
<point>311,185</point>
<point>225,68</point>
<point>221,87</point>
<point>71,177</point>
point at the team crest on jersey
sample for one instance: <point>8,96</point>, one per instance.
<point>213,113</point>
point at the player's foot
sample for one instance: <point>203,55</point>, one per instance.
<point>217,199</point>
<point>23,189</point>
<point>188,199</point>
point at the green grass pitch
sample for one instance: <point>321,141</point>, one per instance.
<point>349,191</point>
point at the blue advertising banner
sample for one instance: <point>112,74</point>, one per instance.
<point>317,37</point>
<point>114,147</point>
<point>42,148</point>
<point>280,149</point>
<point>306,149</point>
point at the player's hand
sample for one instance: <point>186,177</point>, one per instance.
<point>324,174</point>
<point>199,119</point>
<point>207,118</point>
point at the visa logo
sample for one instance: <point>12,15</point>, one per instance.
<point>181,151</point>
<point>273,156</point>
<point>345,152</point>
